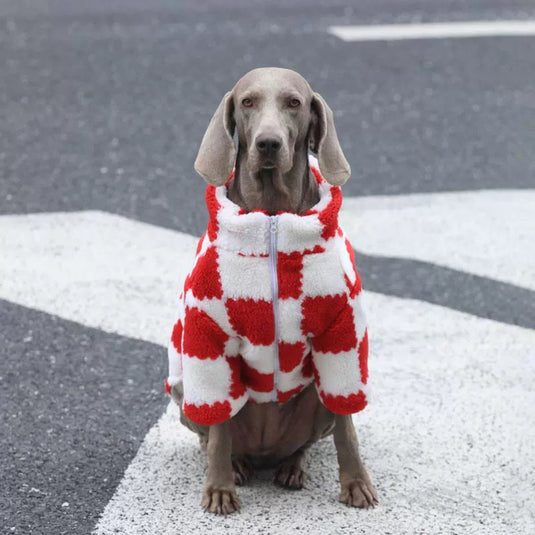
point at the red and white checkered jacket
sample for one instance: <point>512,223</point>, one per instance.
<point>271,304</point>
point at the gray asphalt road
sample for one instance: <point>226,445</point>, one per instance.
<point>103,106</point>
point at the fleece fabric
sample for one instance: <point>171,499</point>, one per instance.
<point>272,303</point>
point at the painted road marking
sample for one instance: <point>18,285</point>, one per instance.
<point>440,30</point>
<point>97,269</point>
<point>487,233</point>
<point>436,454</point>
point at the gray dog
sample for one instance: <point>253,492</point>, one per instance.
<point>278,119</point>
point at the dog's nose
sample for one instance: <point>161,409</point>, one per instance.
<point>268,146</point>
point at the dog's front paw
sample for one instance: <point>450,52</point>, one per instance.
<point>358,491</point>
<point>220,501</point>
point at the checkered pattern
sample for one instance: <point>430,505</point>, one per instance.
<point>223,347</point>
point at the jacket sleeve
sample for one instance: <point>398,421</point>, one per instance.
<point>174,349</point>
<point>213,390</point>
<point>340,359</point>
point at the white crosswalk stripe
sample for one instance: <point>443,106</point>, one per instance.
<point>95,268</point>
<point>488,233</point>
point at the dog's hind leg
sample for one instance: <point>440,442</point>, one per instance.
<point>357,489</point>
<point>242,469</point>
<point>290,473</point>
<point>219,494</point>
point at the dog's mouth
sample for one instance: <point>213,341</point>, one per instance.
<point>268,165</point>
<point>268,162</point>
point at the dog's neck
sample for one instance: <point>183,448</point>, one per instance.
<point>295,191</point>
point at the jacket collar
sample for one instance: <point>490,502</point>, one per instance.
<point>248,233</point>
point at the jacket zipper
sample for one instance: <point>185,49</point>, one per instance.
<point>275,299</point>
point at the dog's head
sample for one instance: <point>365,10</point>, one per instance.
<point>275,113</point>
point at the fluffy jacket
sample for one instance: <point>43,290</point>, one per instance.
<point>271,304</point>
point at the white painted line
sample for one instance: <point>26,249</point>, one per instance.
<point>446,385</point>
<point>488,233</point>
<point>442,30</point>
<point>98,269</point>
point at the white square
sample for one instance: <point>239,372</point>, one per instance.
<point>323,273</point>
<point>290,317</point>
<point>244,276</point>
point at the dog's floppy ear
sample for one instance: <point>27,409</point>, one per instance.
<point>324,142</point>
<point>217,153</point>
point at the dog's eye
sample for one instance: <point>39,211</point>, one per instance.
<point>247,103</point>
<point>294,103</point>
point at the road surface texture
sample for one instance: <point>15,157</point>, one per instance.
<point>103,106</point>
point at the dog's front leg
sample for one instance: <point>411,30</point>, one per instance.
<point>219,494</point>
<point>357,489</point>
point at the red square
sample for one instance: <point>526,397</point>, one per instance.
<point>340,336</point>
<point>363,358</point>
<point>344,404</point>
<point>258,381</point>
<point>290,355</point>
<point>204,281</point>
<point>319,312</point>
<point>176,337</point>
<point>237,388</point>
<point>252,319</point>
<point>208,414</point>
<point>289,274</point>
<point>203,338</point>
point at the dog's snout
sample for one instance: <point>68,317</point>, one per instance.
<point>268,146</point>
